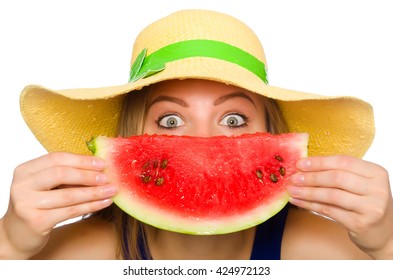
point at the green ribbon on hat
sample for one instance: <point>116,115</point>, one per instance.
<point>145,66</point>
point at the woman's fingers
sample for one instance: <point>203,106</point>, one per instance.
<point>42,221</point>
<point>338,179</point>
<point>60,159</point>
<point>318,197</point>
<point>63,214</point>
<point>63,183</point>
<point>55,176</point>
<point>70,196</point>
<point>351,191</point>
<point>49,190</point>
<point>346,163</point>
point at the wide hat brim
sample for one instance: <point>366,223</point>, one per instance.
<point>63,120</point>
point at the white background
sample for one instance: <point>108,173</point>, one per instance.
<point>277,270</point>
<point>326,47</point>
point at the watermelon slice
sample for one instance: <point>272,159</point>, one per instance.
<point>201,185</point>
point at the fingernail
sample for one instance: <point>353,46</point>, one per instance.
<point>297,178</point>
<point>303,164</point>
<point>110,190</point>
<point>101,178</point>
<point>106,202</point>
<point>293,190</point>
<point>295,201</point>
<point>98,163</point>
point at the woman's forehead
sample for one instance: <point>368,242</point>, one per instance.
<point>199,86</point>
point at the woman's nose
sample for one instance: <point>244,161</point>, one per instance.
<point>206,130</point>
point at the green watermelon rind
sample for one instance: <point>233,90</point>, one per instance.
<point>150,213</point>
<point>191,225</point>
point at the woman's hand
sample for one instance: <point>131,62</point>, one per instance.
<point>49,190</point>
<point>353,192</point>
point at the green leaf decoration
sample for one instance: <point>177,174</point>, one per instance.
<point>144,67</point>
<point>150,71</point>
<point>91,145</point>
<point>136,66</point>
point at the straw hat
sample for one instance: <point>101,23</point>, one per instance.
<point>195,44</point>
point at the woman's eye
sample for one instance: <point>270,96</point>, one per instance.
<point>170,121</point>
<point>234,120</point>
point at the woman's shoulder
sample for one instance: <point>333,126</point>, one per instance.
<point>88,238</point>
<point>311,236</point>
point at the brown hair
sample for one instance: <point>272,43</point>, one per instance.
<point>131,233</point>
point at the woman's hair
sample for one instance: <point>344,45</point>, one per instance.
<point>131,233</point>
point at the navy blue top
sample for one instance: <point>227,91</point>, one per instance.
<point>267,242</point>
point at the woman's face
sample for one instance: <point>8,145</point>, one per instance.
<point>203,108</point>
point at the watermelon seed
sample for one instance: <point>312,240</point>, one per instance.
<point>146,165</point>
<point>146,179</point>
<point>282,171</point>
<point>277,157</point>
<point>259,174</point>
<point>273,178</point>
<point>164,163</point>
<point>159,181</point>
<point>155,164</point>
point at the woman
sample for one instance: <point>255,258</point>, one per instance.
<point>188,78</point>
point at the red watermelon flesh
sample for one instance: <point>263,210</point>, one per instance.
<point>201,185</point>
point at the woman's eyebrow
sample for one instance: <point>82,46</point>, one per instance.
<point>233,95</point>
<point>162,98</point>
